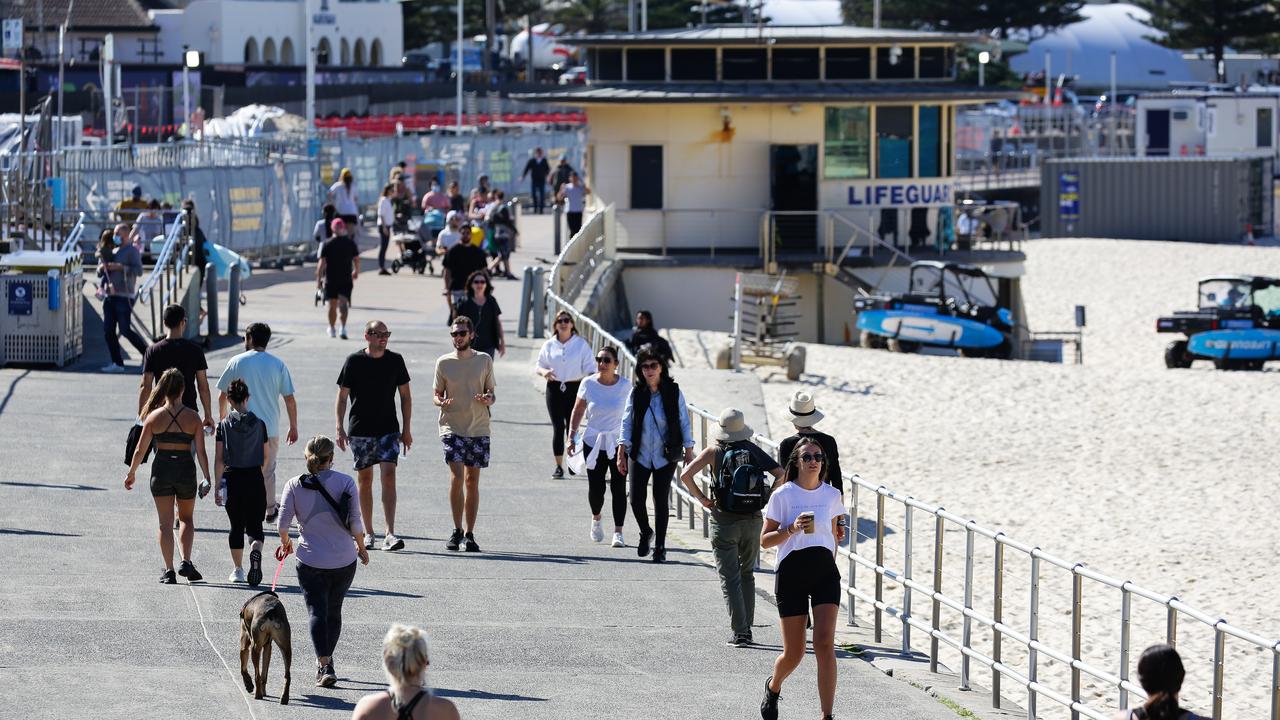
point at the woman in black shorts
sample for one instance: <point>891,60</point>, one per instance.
<point>173,427</point>
<point>239,453</point>
<point>805,521</point>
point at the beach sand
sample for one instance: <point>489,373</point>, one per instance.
<point>1163,477</point>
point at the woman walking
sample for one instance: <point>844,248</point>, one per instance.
<point>601,400</point>
<point>240,453</point>
<point>1161,673</point>
<point>343,196</point>
<point>405,661</point>
<point>173,427</point>
<point>565,359</point>
<point>324,227</point>
<point>386,220</point>
<point>655,436</point>
<point>486,316</point>
<point>805,521</point>
<point>330,534</point>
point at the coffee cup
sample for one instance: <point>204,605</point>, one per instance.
<point>806,519</point>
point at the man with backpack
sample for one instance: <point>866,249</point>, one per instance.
<point>739,492</point>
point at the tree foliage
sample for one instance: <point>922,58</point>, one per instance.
<point>1213,25</point>
<point>428,21</point>
<point>1005,16</point>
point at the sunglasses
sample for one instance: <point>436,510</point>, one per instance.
<point>480,282</point>
<point>564,321</point>
<point>604,359</point>
<point>460,333</point>
<point>651,366</point>
<point>812,457</point>
<point>381,335</point>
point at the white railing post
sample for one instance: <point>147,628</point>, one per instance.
<point>997,614</point>
<point>1077,627</point>
<point>966,641</point>
<point>935,625</point>
<point>1126,600</point>
<point>1033,634</point>
<point>1219,663</point>
<point>879,561</point>
<point>906,586</point>
<point>851,619</point>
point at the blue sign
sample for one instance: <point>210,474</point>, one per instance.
<point>20,298</point>
<point>1069,196</point>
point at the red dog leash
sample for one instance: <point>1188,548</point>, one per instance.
<point>281,554</point>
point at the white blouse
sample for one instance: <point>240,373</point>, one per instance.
<point>571,361</point>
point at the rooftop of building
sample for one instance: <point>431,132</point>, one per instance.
<point>754,91</point>
<point>772,34</point>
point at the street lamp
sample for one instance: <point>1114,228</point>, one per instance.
<point>190,61</point>
<point>984,57</point>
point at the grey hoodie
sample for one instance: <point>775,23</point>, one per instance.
<point>242,436</point>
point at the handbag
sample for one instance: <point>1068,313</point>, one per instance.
<point>131,445</point>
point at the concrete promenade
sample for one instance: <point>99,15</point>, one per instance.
<point>542,624</point>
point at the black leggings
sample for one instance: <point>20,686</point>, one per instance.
<point>384,239</point>
<point>661,490</point>
<point>323,591</point>
<point>560,407</point>
<point>246,504</point>
<point>606,465</point>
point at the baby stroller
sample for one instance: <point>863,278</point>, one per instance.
<point>417,249</point>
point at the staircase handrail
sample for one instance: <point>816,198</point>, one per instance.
<point>172,240</point>
<point>73,238</point>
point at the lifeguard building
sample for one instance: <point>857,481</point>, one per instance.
<point>819,151</point>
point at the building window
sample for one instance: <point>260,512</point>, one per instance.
<point>645,65</point>
<point>895,63</point>
<point>745,64</point>
<point>930,134</point>
<point>607,65</point>
<point>286,52</point>
<point>375,53</point>
<point>359,53</point>
<point>324,52</point>
<point>697,64</point>
<point>251,52</point>
<point>345,53</point>
<point>646,177</point>
<point>935,62</point>
<point>847,143</point>
<point>795,64</point>
<point>269,51</point>
<point>893,142</point>
<point>1264,127</point>
<point>848,63</point>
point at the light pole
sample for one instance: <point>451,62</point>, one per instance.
<point>190,61</point>
<point>984,57</point>
<point>458,69</point>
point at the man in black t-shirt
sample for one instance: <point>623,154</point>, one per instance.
<point>371,378</point>
<point>459,262</point>
<point>175,351</point>
<point>336,274</point>
<point>537,169</point>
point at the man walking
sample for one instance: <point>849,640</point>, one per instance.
<point>464,388</point>
<point>372,377</point>
<point>574,195</point>
<point>459,262</point>
<point>122,271</point>
<point>268,380</point>
<point>538,170</point>
<point>336,275</point>
<point>176,351</point>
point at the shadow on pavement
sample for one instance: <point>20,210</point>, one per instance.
<point>50,486</point>
<point>482,695</point>
<point>34,533</point>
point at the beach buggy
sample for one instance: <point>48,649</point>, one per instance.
<point>1237,325</point>
<point>948,305</point>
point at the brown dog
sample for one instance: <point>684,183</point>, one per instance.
<point>263,621</point>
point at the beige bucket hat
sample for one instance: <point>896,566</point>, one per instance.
<point>803,412</point>
<point>733,426</point>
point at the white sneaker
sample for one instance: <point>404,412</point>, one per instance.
<point>369,541</point>
<point>618,541</point>
<point>597,531</point>
<point>236,576</point>
<point>332,332</point>
<point>391,542</point>
<point>113,368</point>
<point>342,332</point>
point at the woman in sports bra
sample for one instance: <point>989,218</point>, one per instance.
<point>173,427</point>
<point>1160,673</point>
<point>404,660</point>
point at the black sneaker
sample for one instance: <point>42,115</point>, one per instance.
<point>255,568</point>
<point>643,548</point>
<point>168,577</point>
<point>659,555</point>
<point>769,705</point>
<point>455,539</point>
<point>472,545</point>
<point>330,677</point>
<point>187,569</point>
<point>273,514</point>
<point>739,640</point>
<point>558,473</point>
<point>571,472</point>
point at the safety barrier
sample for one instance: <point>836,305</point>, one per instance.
<point>1020,642</point>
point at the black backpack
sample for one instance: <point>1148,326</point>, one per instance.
<point>740,486</point>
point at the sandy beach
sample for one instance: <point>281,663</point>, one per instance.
<point>1164,477</point>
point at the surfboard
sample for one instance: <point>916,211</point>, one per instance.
<point>1254,344</point>
<point>938,330</point>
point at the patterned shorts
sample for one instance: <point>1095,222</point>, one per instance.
<point>470,451</point>
<point>370,451</point>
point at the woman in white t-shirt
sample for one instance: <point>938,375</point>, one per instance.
<point>805,521</point>
<point>343,196</point>
<point>564,360</point>
<point>601,399</point>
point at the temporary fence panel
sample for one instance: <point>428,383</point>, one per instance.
<point>1194,199</point>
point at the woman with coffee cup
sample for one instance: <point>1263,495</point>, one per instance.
<point>805,521</point>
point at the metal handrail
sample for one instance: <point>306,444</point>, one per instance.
<point>935,635</point>
<point>73,238</point>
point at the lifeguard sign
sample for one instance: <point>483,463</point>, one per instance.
<point>900,193</point>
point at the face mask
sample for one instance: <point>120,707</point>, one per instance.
<point>118,240</point>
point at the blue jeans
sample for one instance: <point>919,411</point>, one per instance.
<point>538,191</point>
<point>323,591</point>
<point>116,315</point>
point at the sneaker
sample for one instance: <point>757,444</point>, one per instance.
<point>384,271</point>
<point>739,640</point>
<point>769,705</point>
<point>643,548</point>
<point>325,676</point>
<point>332,332</point>
<point>597,531</point>
<point>618,541</point>
<point>113,368</point>
<point>342,332</point>
<point>273,514</point>
<point>369,541</point>
<point>455,540</point>
<point>237,575</point>
<point>255,567</point>
<point>472,545</point>
<point>168,577</point>
<point>558,473</point>
<point>187,569</point>
<point>571,472</point>
<point>659,555</point>
<point>391,542</point>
